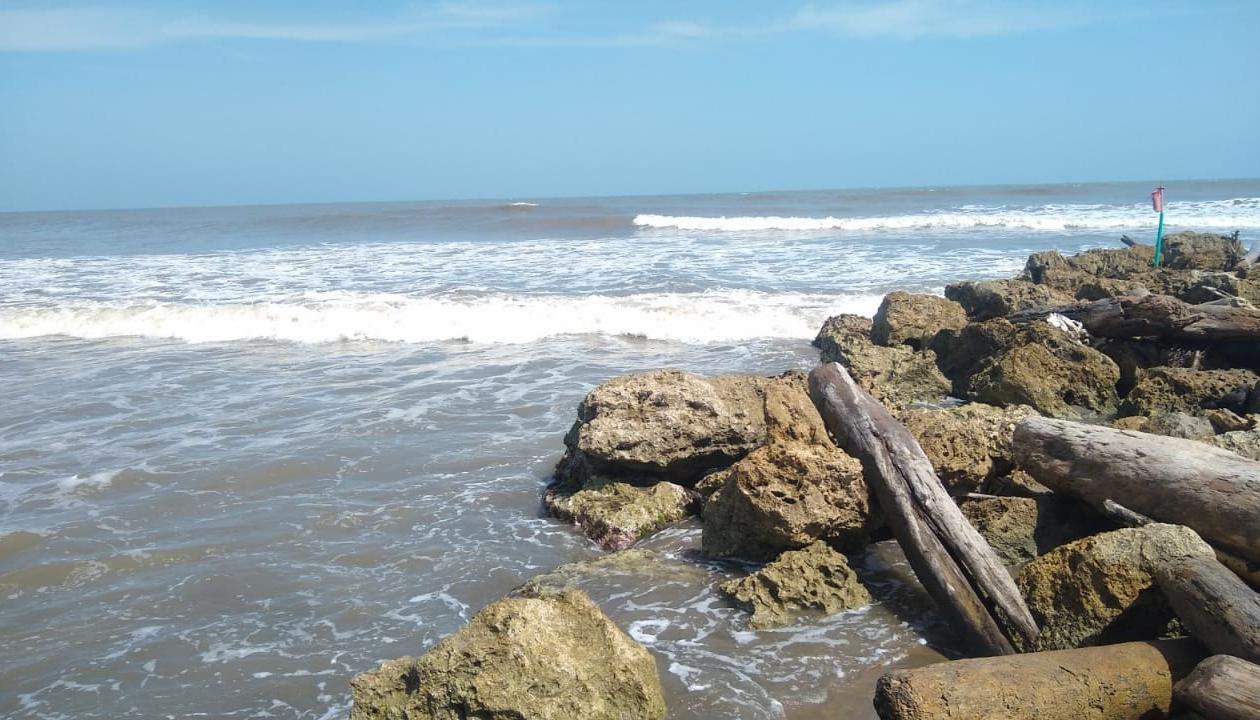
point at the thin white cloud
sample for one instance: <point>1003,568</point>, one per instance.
<point>96,28</point>
<point>910,19</point>
<point>92,28</point>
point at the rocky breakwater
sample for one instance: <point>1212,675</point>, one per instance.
<point>999,399</point>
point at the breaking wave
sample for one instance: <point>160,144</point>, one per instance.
<point>1208,214</point>
<point>708,317</point>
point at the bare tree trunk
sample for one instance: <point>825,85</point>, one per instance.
<point>1222,688</point>
<point>1218,607</point>
<point>1157,316</point>
<point>1129,681</point>
<point>1213,491</point>
<point>948,555</point>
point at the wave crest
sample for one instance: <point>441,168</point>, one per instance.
<point>1209,214</point>
<point>709,317</point>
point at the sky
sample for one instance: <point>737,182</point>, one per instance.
<point>180,103</point>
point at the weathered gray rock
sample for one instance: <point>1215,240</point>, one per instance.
<point>616,514</point>
<point>914,319</point>
<point>1242,442</point>
<point>796,489</point>
<point>545,658</point>
<point>1164,390</point>
<point>988,299</point>
<point>1177,424</point>
<point>967,444</point>
<point>1021,528</point>
<point>1102,589</point>
<point>813,579</point>
<point>663,425</point>
<point>896,376</point>
<point>1035,364</point>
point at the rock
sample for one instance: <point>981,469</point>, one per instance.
<point>636,566</point>
<point>1016,483</point>
<point>1177,424</point>
<point>914,319</point>
<point>896,376</point>
<point>1201,251</point>
<point>1135,356</point>
<point>1223,420</point>
<point>1000,363</point>
<point>664,425</point>
<point>988,299</point>
<point>1163,390</point>
<point>815,578</point>
<point>967,444</point>
<point>1242,442</point>
<point>617,514</point>
<point>1068,274</point>
<point>1021,528</point>
<point>1101,589</point>
<point>796,489</point>
<point>545,658</point>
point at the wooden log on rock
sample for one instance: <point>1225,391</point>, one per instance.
<point>1213,491</point>
<point>1157,316</point>
<point>956,565</point>
<point>1129,681</point>
<point>1249,259</point>
<point>1222,688</point>
<point>1215,604</point>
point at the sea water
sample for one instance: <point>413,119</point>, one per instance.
<point>246,453</point>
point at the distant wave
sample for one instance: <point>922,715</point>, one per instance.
<point>1210,214</point>
<point>708,317</point>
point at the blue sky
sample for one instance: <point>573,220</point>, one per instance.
<point>196,103</point>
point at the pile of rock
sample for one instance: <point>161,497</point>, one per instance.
<point>752,457</point>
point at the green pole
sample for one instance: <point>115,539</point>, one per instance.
<point>1159,240</point>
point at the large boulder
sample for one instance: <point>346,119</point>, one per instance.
<point>914,319</point>
<point>1164,390</point>
<point>616,514</point>
<point>1021,528</point>
<point>1201,251</point>
<point>663,425</point>
<point>967,444</point>
<point>530,658</point>
<point>796,489</point>
<point>1036,364</point>
<point>896,376</point>
<point>813,579</point>
<point>1068,274</point>
<point>1101,589</point>
<point>988,299</point>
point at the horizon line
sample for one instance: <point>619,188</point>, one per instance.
<point>532,198</point>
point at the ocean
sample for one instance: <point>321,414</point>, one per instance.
<point>248,452</point>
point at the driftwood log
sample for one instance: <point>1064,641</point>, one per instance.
<point>1156,316</point>
<point>1218,608</point>
<point>1249,259</point>
<point>956,565</point>
<point>1222,688</point>
<point>1129,681</point>
<point>1213,491</point>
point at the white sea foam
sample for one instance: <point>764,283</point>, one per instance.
<point>707,317</point>
<point>1211,214</point>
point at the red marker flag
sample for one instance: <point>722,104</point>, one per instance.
<point>1157,199</point>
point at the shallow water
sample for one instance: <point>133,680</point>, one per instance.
<point>247,453</point>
